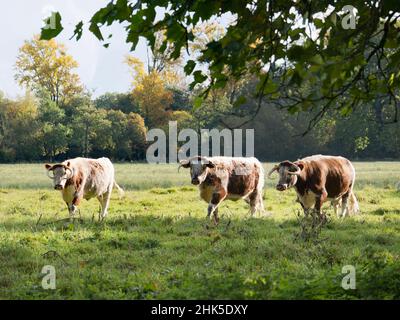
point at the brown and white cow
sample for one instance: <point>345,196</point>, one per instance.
<point>83,178</point>
<point>317,179</point>
<point>232,178</point>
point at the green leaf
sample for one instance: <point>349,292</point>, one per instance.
<point>319,24</point>
<point>94,28</point>
<point>78,31</point>
<point>333,18</point>
<point>189,67</point>
<point>197,102</point>
<point>53,26</point>
<point>271,87</point>
<point>240,101</point>
<point>199,77</point>
<point>124,11</point>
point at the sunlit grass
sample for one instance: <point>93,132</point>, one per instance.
<point>141,176</point>
<point>156,243</point>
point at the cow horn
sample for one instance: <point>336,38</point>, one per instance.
<point>70,170</point>
<point>275,168</point>
<point>295,173</point>
<point>48,174</point>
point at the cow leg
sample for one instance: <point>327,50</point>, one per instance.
<point>73,207</point>
<point>261,204</point>
<point>217,197</point>
<point>336,206</point>
<point>105,202</point>
<point>71,210</point>
<point>305,210</point>
<point>256,203</point>
<point>215,216</point>
<point>345,199</point>
<point>319,201</point>
<point>101,200</point>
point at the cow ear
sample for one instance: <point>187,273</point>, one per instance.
<point>48,166</point>
<point>209,164</point>
<point>297,167</point>
<point>184,163</point>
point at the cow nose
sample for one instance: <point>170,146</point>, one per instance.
<point>58,187</point>
<point>195,181</point>
<point>281,187</point>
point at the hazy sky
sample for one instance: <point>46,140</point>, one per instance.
<point>100,69</point>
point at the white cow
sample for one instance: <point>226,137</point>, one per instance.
<point>83,178</point>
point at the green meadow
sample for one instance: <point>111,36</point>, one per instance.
<point>157,244</point>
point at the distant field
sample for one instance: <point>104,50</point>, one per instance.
<point>156,242</point>
<point>147,176</point>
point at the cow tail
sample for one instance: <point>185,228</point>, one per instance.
<point>261,180</point>
<point>121,191</point>
<point>353,204</point>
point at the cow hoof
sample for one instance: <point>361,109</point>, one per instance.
<point>266,214</point>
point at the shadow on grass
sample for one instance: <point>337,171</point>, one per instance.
<point>381,211</point>
<point>187,225</point>
<point>145,257</point>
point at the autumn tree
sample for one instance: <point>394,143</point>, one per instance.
<point>149,90</point>
<point>46,65</point>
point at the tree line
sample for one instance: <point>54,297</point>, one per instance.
<point>58,118</point>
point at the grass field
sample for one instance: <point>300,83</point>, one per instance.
<point>156,243</point>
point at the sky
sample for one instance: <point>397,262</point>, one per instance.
<point>100,69</point>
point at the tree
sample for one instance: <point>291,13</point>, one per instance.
<point>306,43</point>
<point>159,60</point>
<point>149,90</point>
<point>46,65</point>
<point>117,101</point>
<point>53,135</point>
<point>136,133</point>
<point>213,111</point>
<point>91,131</point>
<point>181,99</point>
<point>18,129</point>
<point>118,130</point>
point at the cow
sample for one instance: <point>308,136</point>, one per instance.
<point>232,178</point>
<point>317,179</point>
<point>83,178</point>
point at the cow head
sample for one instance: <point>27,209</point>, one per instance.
<point>59,173</point>
<point>288,173</point>
<point>199,168</point>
